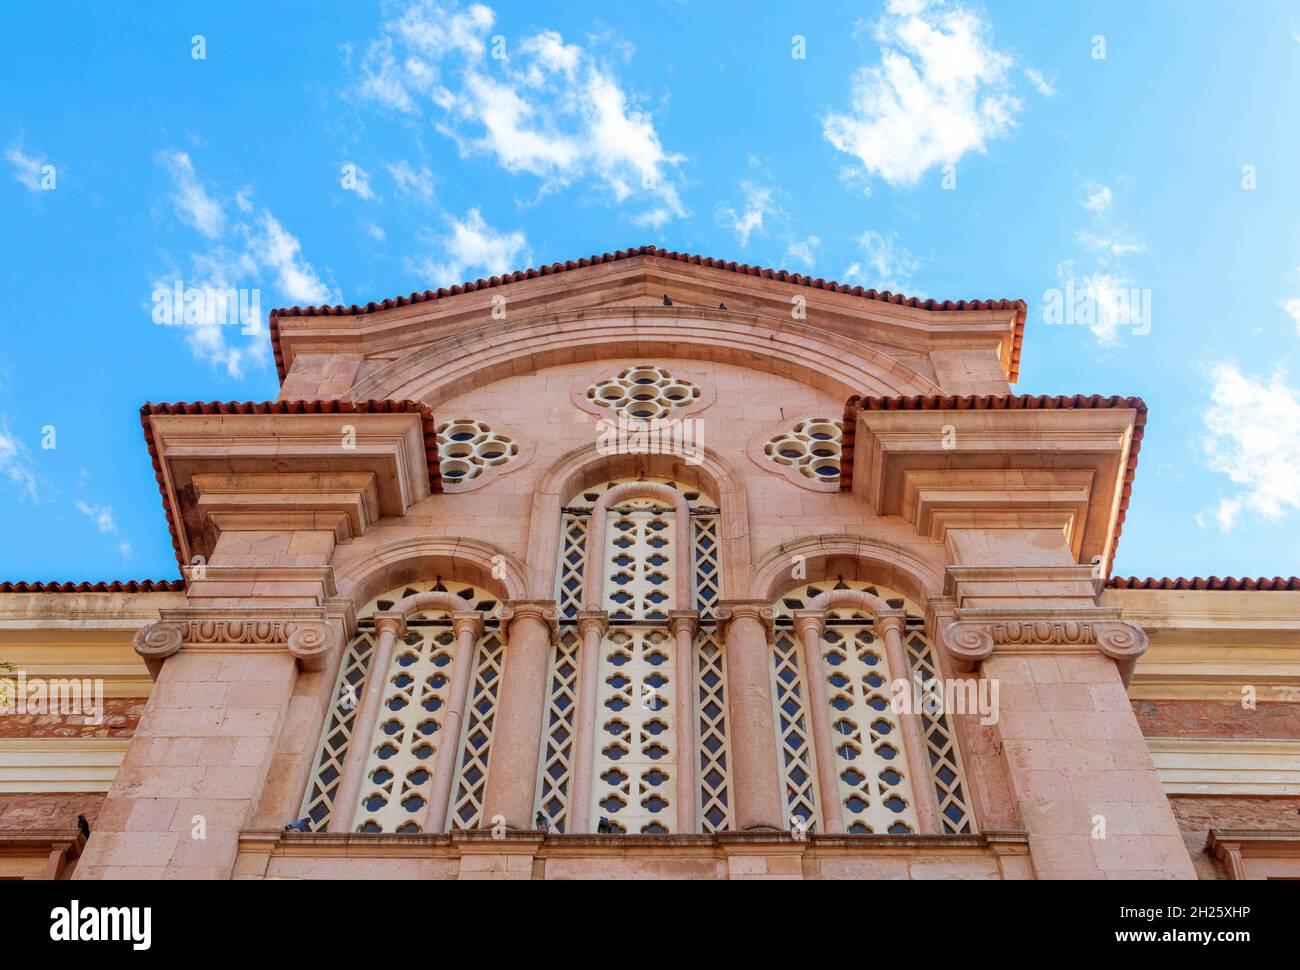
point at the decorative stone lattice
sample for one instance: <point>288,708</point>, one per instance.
<point>640,562</point>
<point>573,562</point>
<point>476,744</point>
<point>794,738</point>
<point>811,447</point>
<point>875,791</point>
<point>856,633</point>
<point>635,736</point>
<point>644,392</point>
<point>467,448</point>
<point>399,772</point>
<point>397,777</point>
<point>318,802</point>
<point>941,745</point>
<point>711,679</point>
<point>555,775</point>
<point>636,745</point>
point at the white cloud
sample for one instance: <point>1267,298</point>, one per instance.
<point>1099,197</point>
<point>373,230</point>
<point>360,182</point>
<point>1040,83</point>
<point>1109,244</point>
<point>1292,308</point>
<point>125,549</point>
<point>471,245</point>
<point>803,250</point>
<point>758,203</point>
<point>941,90</point>
<point>885,264</point>
<point>548,108</point>
<point>1253,437</point>
<point>27,168</point>
<point>256,253</point>
<point>16,461</point>
<point>101,515</point>
<point>412,182</point>
<point>194,206</point>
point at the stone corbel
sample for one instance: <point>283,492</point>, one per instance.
<point>309,640</point>
<point>975,634</point>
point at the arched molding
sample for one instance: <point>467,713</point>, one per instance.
<point>585,466</point>
<point>892,565</point>
<point>414,558</point>
<point>459,362</point>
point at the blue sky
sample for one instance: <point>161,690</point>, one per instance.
<point>952,150</point>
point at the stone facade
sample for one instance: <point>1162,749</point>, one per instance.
<point>454,608</point>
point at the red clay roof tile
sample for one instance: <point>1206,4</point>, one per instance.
<point>989,402</point>
<point>285,407</point>
<point>116,586</point>
<point>783,276</point>
<point>1262,583</point>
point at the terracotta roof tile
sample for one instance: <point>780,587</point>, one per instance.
<point>285,407</point>
<point>783,276</point>
<point>989,402</point>
<point>117,586</point>
<point>1263,583</point>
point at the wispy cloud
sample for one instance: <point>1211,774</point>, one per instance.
<point>803,250</point>
<point>885,263</point>
<point>470,244</point>
<point>1040,82</point>
<point>545,107</point>
<point>28,170</point>
<point>411,182</point>
<point>252,252</point>
<point>101,515</point>
<point>357,179</point>
<point>16,462</point>
<point>1252,435</point>
<point>940,90</point>
<point>757,205</point>
<point>194,205</point>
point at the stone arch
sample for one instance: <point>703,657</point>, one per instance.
<point>853,557</point>
<point>584,467</point>
<point>453,364</point>
<point>414,558</point>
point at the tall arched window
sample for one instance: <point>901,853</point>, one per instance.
<point>396,779</point>
<point>875,790</point>
<point>658,758</point>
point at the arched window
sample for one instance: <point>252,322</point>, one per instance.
<point>875,791</point>
<point>395,773</point>
<point>658,759</point>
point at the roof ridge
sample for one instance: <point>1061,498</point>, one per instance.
<point>709,262</point>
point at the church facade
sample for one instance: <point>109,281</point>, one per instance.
<point>650,566</point>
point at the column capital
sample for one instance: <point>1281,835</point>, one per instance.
<point>809,620</point>
<point>305,633</point>
<point>390,620</point>
<point>976,634</point>
<point>593,619</point>
<point>511,610</point>
<point>887,620</point>
<point>690,619</point>
<point>729,611</point>
<point>471,620</point>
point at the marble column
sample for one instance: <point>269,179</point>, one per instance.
<point>468,627</point>
<point>389,626</point>
<point>592,625</point>
<point>890,627</point>
<point>684,625</point>
<point>810,625</point>
<point>517,732</point>
<point>755,776</point>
